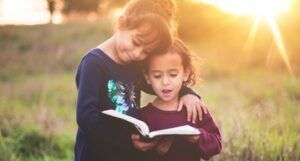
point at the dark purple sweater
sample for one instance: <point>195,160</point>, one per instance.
<point>208,145</point>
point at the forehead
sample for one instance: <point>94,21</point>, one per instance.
<point>165,62</point>
<point>148,36</point>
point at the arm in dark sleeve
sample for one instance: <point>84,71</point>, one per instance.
<point>89,81</point>
<point>209,143</point>
<point>186,90</point>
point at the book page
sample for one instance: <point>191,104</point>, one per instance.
<point>140,125</point>
<point>180,130</point>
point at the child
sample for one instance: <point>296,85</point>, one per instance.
<point>109,76</point>
<point>167,73</point>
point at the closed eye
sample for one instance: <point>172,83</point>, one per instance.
<point>147,52</point>
<point>173,75</point>
<point>156,76</point>
<point>135,43</point>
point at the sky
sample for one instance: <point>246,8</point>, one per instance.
<point>28,12</point>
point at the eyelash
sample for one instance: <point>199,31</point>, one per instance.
<point>135,43</point>
<point>157,76</point>
<point>146,52</point>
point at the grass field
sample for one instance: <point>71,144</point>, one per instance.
<point>256,106</point>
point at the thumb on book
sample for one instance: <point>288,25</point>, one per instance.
<point>135,137</point>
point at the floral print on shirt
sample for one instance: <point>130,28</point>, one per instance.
<point>122,95</point>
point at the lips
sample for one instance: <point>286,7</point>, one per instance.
<point>166,92</point>
<point>126,57</point>
<point>129,56</point>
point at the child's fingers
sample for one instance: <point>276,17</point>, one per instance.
<point>143,146</point>
<point>135,137</point>
<point>157,139</point>
<point>189,112</point>
<point>193,139</point>
<point>199,111</point>
<point>164,146</point>
<point>166,139</point>
<point>180,104</point>
<point>203,106</point>
<point>194,112</point>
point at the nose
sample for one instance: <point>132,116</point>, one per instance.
<point>165,80</point>
<point>137,53</point>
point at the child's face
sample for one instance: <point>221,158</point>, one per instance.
<point>166,75</point>
<point>131,46</point>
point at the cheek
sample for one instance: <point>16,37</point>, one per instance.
<point>142,57</point>
<point>155,83</point>
<point>122,45</point>
<point>118,45</point>
<point>178,81</point>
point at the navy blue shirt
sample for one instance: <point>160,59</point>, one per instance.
<point>103,84</point>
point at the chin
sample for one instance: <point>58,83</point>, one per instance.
<point>125,61</point>
<point>167,99</point>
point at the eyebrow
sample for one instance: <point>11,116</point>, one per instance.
<point>155,71</point>
<point>148,47</point>
<point>150,43</point>
<point>158,71</point>
<point>173,70</point>
<point>138,40</point>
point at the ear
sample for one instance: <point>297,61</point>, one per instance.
<point>122,22</point>
<point>186,74</point>
<point>147,79</point>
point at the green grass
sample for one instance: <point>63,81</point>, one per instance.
<point>38,118</point>
<point>258,116</point>
<point>257,107</point>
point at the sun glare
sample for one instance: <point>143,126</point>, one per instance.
<point>27,12</point>
<point>263,10</point>
<point>250,7</point>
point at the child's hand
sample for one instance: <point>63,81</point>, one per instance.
<point>192,139</point>
<point>143,146</point>
<point>164,145</point>
<point>193,106</point>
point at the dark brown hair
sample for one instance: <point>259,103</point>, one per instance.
<point>159,15</point>
<point>178,47</point>
<point>137,9</point>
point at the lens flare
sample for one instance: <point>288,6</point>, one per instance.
<point>250,7</point>
<point>262,9</point>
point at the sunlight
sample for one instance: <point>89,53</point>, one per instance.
<point>28,12</point>
<point>251,37</point>
<point>279,43</point>
<point>262,10</point>
<point>250,7</point>
<point>57,18</point>
<point>23,13</point>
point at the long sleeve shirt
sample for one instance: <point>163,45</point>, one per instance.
<point>209,143</point>
<point>104,84</point>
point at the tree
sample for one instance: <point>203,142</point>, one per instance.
<point>117,3</point>
<point>91,6</point>
<point>81,6</point>
<point>51,8</point>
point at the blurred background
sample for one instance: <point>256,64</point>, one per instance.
<point>248,54</point>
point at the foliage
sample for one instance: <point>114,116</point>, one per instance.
<point>81,6</point>
<point>91,6</point>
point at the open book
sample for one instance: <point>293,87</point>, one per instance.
<point>143,128</point>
